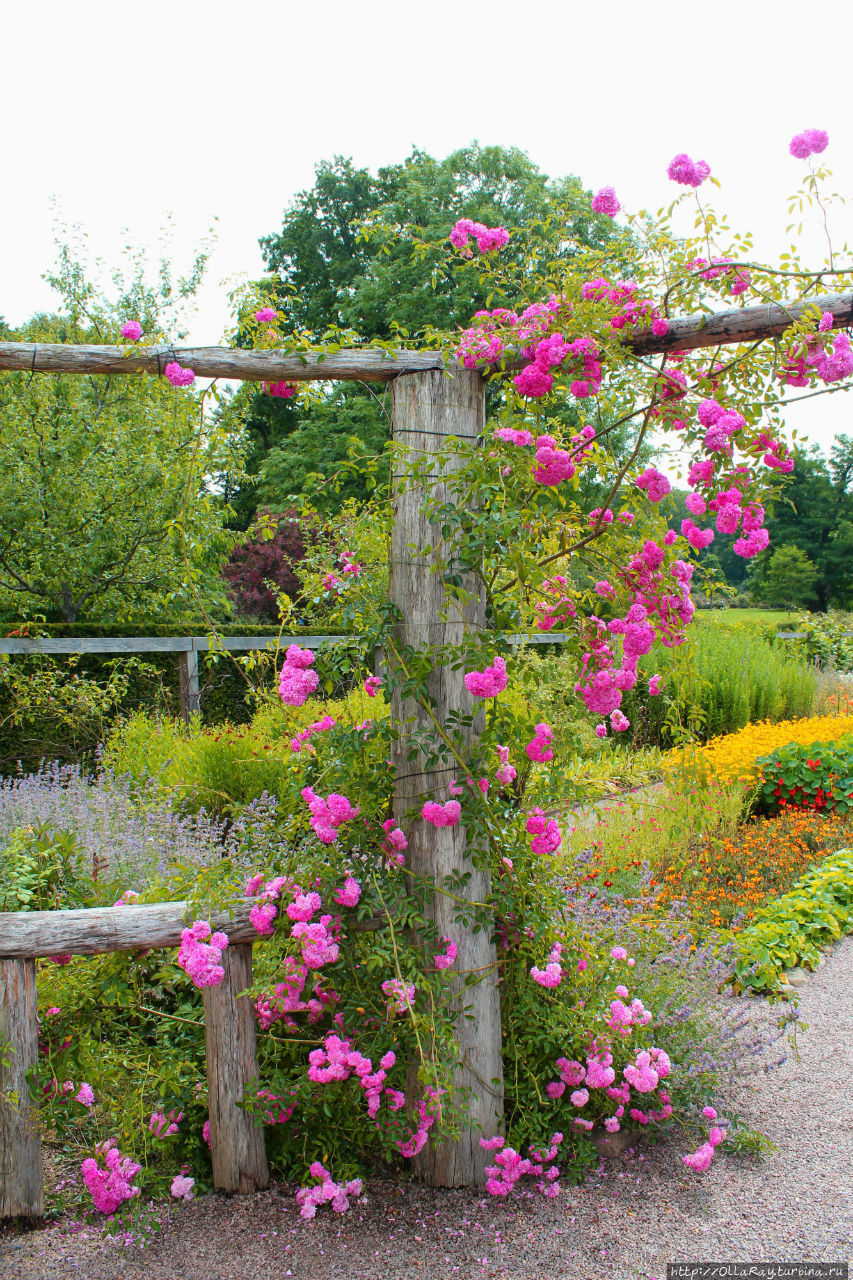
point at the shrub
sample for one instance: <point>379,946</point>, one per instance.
<point>793,930</point>
<point>819,776</point>
<point>828,639</point>
<point>270,556</point>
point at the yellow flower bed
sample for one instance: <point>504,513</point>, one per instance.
<point>732,756</point>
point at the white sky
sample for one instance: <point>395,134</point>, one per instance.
<point>125,112</point>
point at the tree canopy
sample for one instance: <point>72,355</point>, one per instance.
<point>367,253</point>
<point>106,507</point>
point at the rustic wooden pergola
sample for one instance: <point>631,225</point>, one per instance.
<point>432,399</point>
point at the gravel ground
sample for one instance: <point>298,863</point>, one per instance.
<point>632,1217</point>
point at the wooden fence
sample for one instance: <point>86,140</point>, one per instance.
<point>187,649</point>
<point>236,1142</point>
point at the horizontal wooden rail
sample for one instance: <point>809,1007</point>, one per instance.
<point>154,644</point>
<point>94,931</point>
<point>685,333</point>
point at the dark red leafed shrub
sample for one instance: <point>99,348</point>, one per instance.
<point>260,560</point>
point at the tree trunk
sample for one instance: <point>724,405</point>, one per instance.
<point>21,1180</point>
<point>427,407</point>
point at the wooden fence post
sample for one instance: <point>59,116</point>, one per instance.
<point>21,1179</point>
<point>188,683</point>
<point>426,408</point>
<point>236,1142</point>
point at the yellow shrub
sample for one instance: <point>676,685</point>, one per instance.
<point>733,755</point>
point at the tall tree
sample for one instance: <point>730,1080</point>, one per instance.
<point>105,506</point>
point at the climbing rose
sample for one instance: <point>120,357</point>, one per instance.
<point>131,330</point>
<point>280,390</point>
<point>371,684</point>
<point>489,682</point>
<point>178,376</point>
<point>442,815</point>
<point>808,143</point>
<point>265,315</point>
<point>446,958</point>
<point>295,681</point>
<point>689,173</point>
<point>604,201</point>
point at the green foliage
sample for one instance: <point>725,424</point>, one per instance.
<point>795,928</point>
<point>817,518</point>
<point>39,870</point>
<point>224,768</point>
<point>61,710</point>
<point>828,639</point>
<point>791,578</point>
<point>817,776</point>
<point>720,680</point>
<point>105,508</point>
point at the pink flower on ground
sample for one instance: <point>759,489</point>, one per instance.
<point>604,201</point>
<point>182,1187</point>
<point>131,330</point>
<point>709,1113</point>
<point>700,1159</point>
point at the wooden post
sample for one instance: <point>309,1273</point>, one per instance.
<point>236,1142</point>
<point>427,407</point>
<point>21,1179</point>
<point>188,682</point>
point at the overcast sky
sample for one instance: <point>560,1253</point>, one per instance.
<point>126,112</point>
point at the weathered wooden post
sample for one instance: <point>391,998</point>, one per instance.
<point>21,1179</point>
<point>236,1142</point>
<point>428,407</point>
<point>188,684</point>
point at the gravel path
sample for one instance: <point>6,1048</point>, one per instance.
<point>632,1217</point>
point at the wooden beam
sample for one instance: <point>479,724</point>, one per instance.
<point>188,684</point>
<point>739,324</point>
<point>426,408</point>
<point>356,365</point>
<point>94,931</point>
